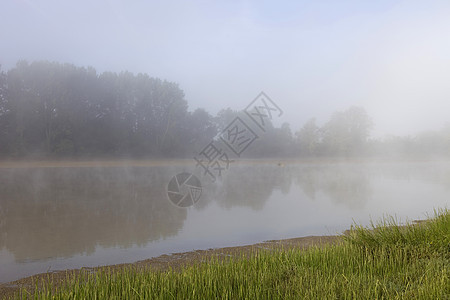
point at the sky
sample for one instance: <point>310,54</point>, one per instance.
<point>312,58</point>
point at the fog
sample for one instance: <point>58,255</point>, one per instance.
<point>312,58</point>
<point>71,216</point>
<point>134,129</point>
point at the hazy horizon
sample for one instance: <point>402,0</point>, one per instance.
<point>312,59</point>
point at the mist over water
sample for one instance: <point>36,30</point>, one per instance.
<point>292,118</point>
<point>71,217</point>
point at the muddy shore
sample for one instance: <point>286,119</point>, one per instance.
<point>174,261</point>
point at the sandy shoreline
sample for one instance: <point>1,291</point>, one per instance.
<point>174,261</point>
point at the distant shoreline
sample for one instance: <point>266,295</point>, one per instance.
<point>67,163</point>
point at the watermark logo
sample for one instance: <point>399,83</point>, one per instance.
<point>238,136</point>
<point>262,109</point>
<point>185,189</point>
<point>213,160</point>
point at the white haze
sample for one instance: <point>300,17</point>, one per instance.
<point>311,57</point>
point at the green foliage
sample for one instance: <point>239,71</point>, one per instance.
<point>346,133</point>
<point>58,109</point>
<point>425,238</point>
<point>309,138</point>
<point>51,109</point>
<point>388,262</point>
<point>425,144</point>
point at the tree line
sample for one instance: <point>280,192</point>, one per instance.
<point>50,109</point>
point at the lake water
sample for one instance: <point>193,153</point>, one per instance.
<point>54,218</point>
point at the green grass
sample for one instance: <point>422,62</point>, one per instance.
<point>388,262</point>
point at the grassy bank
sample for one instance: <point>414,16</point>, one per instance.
<point>390,262</point>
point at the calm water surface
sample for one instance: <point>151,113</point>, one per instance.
<point>71,217</point>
